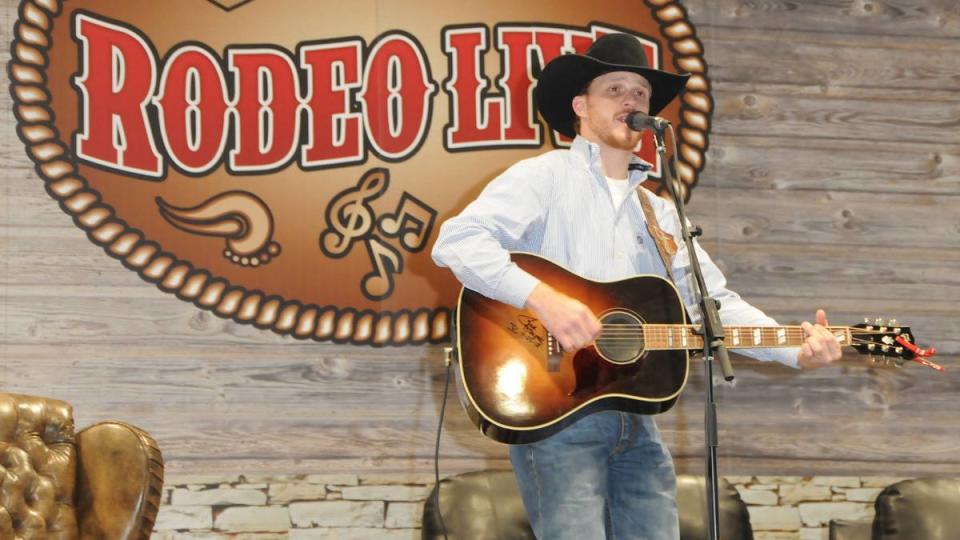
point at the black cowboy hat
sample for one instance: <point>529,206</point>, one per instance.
<point>568,75</point>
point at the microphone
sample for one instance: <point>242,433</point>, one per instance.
<point>639,121</point>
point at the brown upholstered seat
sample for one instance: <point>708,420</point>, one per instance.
<point>104,482</point>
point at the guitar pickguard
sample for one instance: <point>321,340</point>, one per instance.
<point>594,374</point>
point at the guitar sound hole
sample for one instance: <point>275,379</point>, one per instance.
<point>622,340</point>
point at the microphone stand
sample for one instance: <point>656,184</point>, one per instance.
<point>713,346</point>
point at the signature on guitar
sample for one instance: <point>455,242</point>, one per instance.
<point>527,329</point>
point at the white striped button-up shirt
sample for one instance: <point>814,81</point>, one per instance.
<point>558,205</point>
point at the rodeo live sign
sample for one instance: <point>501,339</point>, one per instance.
<point>286,164</point>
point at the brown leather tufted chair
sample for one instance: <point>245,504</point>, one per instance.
<point>104,482</point>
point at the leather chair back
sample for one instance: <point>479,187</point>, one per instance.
<point>482,504</point>
<point>927,508</point>
<point>919,509</point>
<point>487,505</point>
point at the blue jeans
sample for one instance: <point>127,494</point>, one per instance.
<point>609,475</point>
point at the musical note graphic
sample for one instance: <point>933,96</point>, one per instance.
<point>412,222</point>
<point>349,216</point>
<point>386,261</point>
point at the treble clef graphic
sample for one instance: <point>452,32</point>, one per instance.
<point>349,216</point>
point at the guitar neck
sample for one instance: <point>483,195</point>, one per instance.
<point>683,336</point>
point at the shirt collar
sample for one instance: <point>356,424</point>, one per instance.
<point>590,153</point>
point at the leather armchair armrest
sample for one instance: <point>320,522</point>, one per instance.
<point>119,482</point>
<point>850,529</point>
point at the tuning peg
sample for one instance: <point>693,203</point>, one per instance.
<point>871,346</point>
<point>898,350</point>
<point>885,348</point>
<point>866,320</point>
<point>878,322</point>
<point>892,322</point>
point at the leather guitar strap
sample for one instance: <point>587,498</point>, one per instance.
<point>666,246</point>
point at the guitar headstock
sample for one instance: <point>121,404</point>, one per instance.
<point>890,343</point>
<point>879,338</point>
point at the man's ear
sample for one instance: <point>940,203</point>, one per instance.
<point>579,104</point>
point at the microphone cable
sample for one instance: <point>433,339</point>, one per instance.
<point>436,450</point>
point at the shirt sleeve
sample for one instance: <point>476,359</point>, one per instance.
<point>476,244</point>
<point>734,310</point>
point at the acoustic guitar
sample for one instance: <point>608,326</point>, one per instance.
<point>518,385</point>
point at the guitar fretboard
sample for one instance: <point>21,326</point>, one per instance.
<point>678,336</point>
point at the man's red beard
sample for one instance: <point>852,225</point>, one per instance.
<point>622,138</point>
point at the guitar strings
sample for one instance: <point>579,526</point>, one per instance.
<point>617,334</point>
<point>855,341</point>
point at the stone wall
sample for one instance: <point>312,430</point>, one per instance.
<point>298,507</point>
<point>795,507</point>
<point>359,507</point>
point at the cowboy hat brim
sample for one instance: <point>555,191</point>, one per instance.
<point>567,76</point>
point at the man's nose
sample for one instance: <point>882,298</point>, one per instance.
<point>630,102</point>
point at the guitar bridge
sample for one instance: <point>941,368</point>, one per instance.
<point>554,353</point>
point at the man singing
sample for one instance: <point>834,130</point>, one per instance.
<point>608,475</point>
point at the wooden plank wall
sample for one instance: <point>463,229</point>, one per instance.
<point>833,180</point>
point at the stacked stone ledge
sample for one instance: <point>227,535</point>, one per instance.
<point>298,507</point>
<point>389,506</point>
<point>800,508</point>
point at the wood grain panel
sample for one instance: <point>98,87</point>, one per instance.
<point>763,163</point>
<point>802,58</point>
<point>897,20</point>
<point>762,110</point>
<point>829,217</point>
<point>886,272</point>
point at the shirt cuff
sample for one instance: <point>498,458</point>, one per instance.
<point>787,356</point>
<point>515,286</point>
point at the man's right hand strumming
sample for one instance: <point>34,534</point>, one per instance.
<point>569,320</point>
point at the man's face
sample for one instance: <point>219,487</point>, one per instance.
<point>607,102</point>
